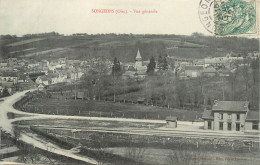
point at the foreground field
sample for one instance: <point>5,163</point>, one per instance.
<point>106,109</point>
<point>96,135</point>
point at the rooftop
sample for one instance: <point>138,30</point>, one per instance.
<point>207,114</point>
<point>252,116</point>
<point>8,74</point>
<point>234,106</point>
<point>210,70</point>
<point>171,118</point>
<point>193,67</point>
<point>138,56</point>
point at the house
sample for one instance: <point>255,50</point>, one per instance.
<point>53,66</point>
<point>63,75</point>
<point>10,77</point>
<point>224,72</point>
<point>193,71</point>
<point>12,61</point>
<point>62,61</point>
<point>140,75</point>
<point>41,87</point>
<point>215,62</point>
<point>73,62</point>
<point>230,116</point>
<point>45,63</point>
<point>140,100</point>
<point>252,121</point>
<point>33,65</point>
<point>184,63</point>
<point>53,77</point>
<point>23,78</point>
<point>3,65</point>
<point>43,79</point>
<point>74,75</point>
<point>26,84</point>
<point>210,72</point>
<point>199,62</point>
<point>80,95</point>
<point>129,74</point>
<point>8,87</point>
<point>171,121</point>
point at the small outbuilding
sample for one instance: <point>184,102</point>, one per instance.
<point>80,95</point>
<point>171,121</point>
<point>41,87</point>
<point>140,100</point>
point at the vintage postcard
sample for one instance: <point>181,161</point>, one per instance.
<point>127,82</point>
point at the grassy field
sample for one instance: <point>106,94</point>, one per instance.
<point>89,123</point>
<point>106,109</point>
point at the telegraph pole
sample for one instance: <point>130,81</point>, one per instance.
<point>223,92</point>
<point>75,91</point>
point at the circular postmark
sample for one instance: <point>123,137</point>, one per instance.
<point>206,14</point>
<point>228,17</point>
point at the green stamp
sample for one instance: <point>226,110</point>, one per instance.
<point>235,17</point>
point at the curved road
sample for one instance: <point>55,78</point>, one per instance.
<point>6,124</point>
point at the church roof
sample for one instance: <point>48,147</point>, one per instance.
<point>138,56</point>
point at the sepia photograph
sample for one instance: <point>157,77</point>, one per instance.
<point>129,82</point>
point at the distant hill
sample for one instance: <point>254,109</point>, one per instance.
<point>124,47</point>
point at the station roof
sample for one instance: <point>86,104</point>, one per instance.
<point>234,106</point>
<point>252,116</point>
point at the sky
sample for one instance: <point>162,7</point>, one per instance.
<point>19,17</point>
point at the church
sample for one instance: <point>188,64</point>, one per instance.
<point>138,69</point>
<point>140,65</point>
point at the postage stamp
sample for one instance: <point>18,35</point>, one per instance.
<point>229,17</point>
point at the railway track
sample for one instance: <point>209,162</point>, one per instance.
<point>162,133</point>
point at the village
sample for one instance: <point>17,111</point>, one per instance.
<point>25,74</point>
<point>82,107</point>
<point>147,82</point>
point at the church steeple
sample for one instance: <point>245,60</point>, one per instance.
<point>138,60</point>
<point>138,56</point>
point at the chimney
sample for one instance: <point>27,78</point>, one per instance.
<point>215,102</point>
<point>246,104</point>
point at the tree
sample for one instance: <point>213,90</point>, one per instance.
<point>160,62</point>
<point>116,69</point>
<point>233,82</point>
<point>185,154</point>
<point>151,67</point>
<point>255,86</point>
<point>255,68</point>
<point>5,92</point>
<point>164,64</point>
<point>181,91</point>
<point>209,101</point>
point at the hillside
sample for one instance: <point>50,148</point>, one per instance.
<point>124,47</point>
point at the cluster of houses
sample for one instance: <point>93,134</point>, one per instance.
<point>16,74</point>
<point>190,68</point>
<point>210,67</point>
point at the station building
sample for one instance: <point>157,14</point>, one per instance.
<point>231,116</point>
